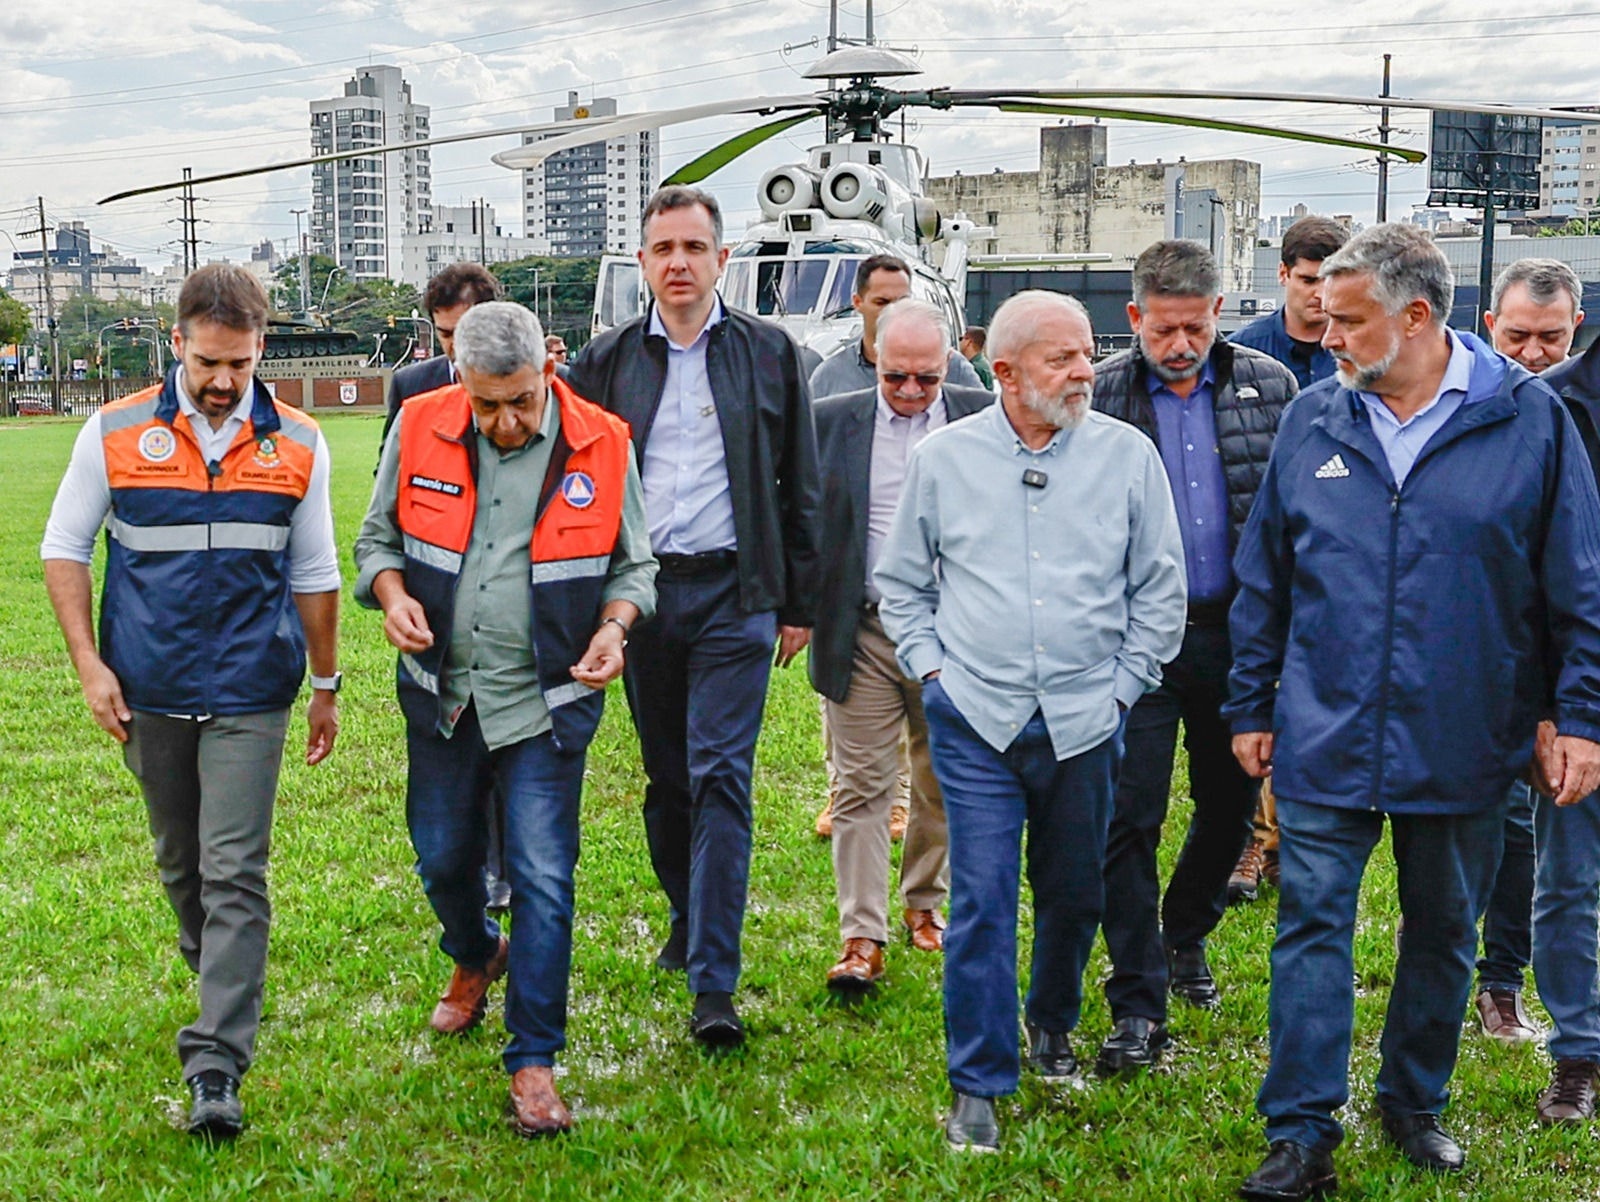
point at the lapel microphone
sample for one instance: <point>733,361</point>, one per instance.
<point>1034,478</point>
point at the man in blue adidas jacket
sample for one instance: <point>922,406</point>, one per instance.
<point>1419,584</point>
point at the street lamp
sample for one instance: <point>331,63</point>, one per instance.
<point>328,283</point>
<point>1584,212</point>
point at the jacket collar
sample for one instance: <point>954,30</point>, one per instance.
<point>263,413</point>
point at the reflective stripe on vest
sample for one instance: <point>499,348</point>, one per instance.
<point>569,553</point>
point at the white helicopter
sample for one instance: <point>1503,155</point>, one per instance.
<point>859,193</point>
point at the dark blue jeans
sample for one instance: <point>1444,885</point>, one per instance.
<point>540,786</point>
<point>1565,963</point>
<point>989,797</point>
<point>1192,690</point>
<point>697,680</point>
<point>1508,923</point>
<point>1446,866</point>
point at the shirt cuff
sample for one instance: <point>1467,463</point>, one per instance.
<point>1127,687</point>
<point>1252,724</point>
<point>376,561</point>
<point>636,586</point>
<point>921,658</point>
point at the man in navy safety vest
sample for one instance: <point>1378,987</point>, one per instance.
<point>221,574</point>
<point>507,547</point>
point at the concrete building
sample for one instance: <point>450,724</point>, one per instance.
<point>361,208</point>
<point>1078,204</point>
<point>461,233</point>
<point>588,200</point>
<point>1569,168</point>
<point>75,270</point>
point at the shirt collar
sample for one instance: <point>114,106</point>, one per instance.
<point>1457,378</point>
<point>186,404</point>
<point>712,318</point>
<point>1007,431</point>
<point>1208,378</point>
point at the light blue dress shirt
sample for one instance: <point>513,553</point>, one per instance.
<point>686,491</point>
<point>1065,598</point>
<point>1401,441</point>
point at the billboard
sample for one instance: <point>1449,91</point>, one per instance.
<point>1470,154</point>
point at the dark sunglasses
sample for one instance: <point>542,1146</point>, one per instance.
<point>898,378</point>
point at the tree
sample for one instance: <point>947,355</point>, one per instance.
<point>559,290</point>
<point>16,319</point>
<point>83,316</point>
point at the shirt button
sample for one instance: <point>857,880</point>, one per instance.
<point>1034,508</point>
<point>1199,521</point>
<point>1036,555</point>
<point>1037,601</point>
<point>482,587</point>
<point>1194,484</point>
<point>1189,446</point>
<point>1038,646</point>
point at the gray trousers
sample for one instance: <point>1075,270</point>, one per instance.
<point>866,731</point>
<point>209,787</point>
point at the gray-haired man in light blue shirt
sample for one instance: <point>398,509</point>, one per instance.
<point>1034,580</point>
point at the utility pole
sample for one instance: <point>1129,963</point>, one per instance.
<point>300,240</point>
<point>1486,244</point>
<point>50,310</point>
<point>480,215</point>
<point>833,26</point>
<point>1383,136</point>
<point>191,244</point>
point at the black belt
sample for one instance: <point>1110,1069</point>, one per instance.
<point>1208,613</point>
<point>706,563</point>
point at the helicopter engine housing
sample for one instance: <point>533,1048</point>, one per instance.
<point>855,191</point>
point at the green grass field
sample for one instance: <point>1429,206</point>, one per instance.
<point>352,1096</point>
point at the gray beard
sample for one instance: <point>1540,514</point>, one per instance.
<point>1172,375</point>
<point>1059,413</point>
<point>1364,379</point>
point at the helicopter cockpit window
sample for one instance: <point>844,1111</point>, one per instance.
<point>788,285</point>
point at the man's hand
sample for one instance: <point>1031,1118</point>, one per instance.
<point>103,691</point>
<point>1572,769</point>
<point>602,661</point>
<point>1253,750</point>
<point>792,641</point>
<point>405,625</point>
<point>322,717</point>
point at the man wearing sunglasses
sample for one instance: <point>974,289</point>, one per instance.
<point>864,442</point>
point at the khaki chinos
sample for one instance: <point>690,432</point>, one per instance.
<point>866,729</point>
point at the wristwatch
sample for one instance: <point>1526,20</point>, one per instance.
<point>328,684</point>
<point>620,624</point>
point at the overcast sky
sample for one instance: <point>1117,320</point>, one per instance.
<point>100,95</point>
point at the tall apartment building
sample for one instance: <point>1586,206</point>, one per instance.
<point>362,207</point>
<point>588,200</point>
<point>1569,168</point>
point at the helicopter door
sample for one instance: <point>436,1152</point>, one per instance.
<point>617,294</point>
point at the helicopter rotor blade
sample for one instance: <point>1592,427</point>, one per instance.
<point>1238,127</point>
<point>535,153</point>
<point>723,153</point>
<point>362,153</point>
<point>1395,102</point>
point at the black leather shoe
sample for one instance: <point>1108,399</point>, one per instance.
<point>674,953</point>
<point>1290,1173</point>
<point>1423,1141</point>
<point>1189,976</point>
<point>971,1126</point>
<point>1050,1054</point>
<point>216,1112</point>
<point>715,1023</point>
<point>1134,1043</point>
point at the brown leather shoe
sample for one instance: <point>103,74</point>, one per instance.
<point>859,967</point>
<point>1245,883</point>
<point>1502,1017</point>
<point>927,930</point>
<point>1570,1096</point>
<point>536,1107</point>
<point>467,996</point>
<point>824,826</point>
<point>898,817</point>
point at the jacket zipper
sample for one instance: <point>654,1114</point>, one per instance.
<point>1388,649</point>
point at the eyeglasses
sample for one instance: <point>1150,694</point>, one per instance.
<point>897,378</point>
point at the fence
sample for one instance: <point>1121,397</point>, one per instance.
<point>79,398</point>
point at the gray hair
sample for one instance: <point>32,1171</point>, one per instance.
<point>913,310</point>
<point>1404,264</point>
<point>499,338</point>
<point>1015,324</point>
<point>1175,267</point>
<point>1545,279</point>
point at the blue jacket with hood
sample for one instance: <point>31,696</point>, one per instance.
<point>1402,642</point>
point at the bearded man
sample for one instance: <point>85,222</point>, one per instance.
<point>1032,580</point>
<point>1211,408</point>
